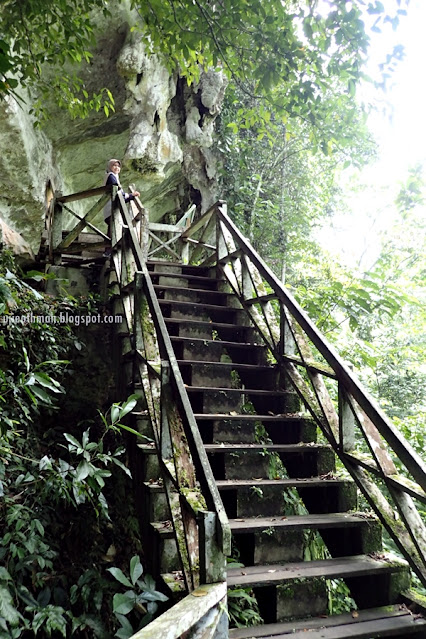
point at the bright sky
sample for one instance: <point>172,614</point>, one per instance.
<point>401,138</point>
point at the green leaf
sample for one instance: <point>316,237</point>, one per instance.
<point>72,440</point>
<point>120,464</point>
<point>7,609</point>
<point>83,470</point>
<point>128,405</point>
<point>123,603</point>
<point>48,382</point>
<point>136,569</point>
<point>120,576</point>
<point>115,413</point>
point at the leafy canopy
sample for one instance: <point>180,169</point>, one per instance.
<point>303,46</point>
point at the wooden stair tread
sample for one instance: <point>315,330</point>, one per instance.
<point>335,520</point>
<point>301,448</point>
<point>361,624</point>
<point>247,391</point>
<point>230,365</point>
<point>224,343</point>
<point>180,290</point>
<point>284,417</point>
<point>203,322</point>
<point>273,448</point>
<point>186,276</point>
<point>201,305</point>
<point>339,567</point>
<point>291,482</point>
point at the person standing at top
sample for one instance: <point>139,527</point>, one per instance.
<point>113,177</point>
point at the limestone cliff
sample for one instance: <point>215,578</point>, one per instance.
<point>162,131</point>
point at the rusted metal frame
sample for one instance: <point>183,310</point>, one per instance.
<point>209,488</point>
<point>82,195</point>
<point>154,387</point>
<point>266,308</point>
<point>309,399</point>
<point>396,529</point>
<point>180,620</point>
<point>386,466</point>
<point>223,251</point>
<point>315,366</point>
<point>320,390</point>
<point>331,417</point>
<point>250,310</point>
<point>74,233</point>
<point>163,245</point>
<point>89,224</point>
<point>206,478</point>
<point>383,460</point>
<point>55,231</point>
<point>242,282</point>
<point>347,421</point>
<point>413,522</point>
<point>185,477</point>
<point>184,523</point>
<point>204,219</point>
<point>398,481</point>
<point>197,449</point>
<point>202,241</point>
<point>402,448</point>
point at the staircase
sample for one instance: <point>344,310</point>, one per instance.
<point>245,409</point>
<point>294,520</point>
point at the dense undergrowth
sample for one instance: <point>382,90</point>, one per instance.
<point>67,520</point>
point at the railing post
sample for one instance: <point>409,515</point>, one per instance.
<point>212,559</point>
<point>56,227</point>
<point>346,423</point>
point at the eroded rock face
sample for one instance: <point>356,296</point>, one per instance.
<point>162,130</point>
<point>26,165</point>
<point>13,241</point>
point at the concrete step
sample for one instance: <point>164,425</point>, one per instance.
<point>197,295</point>
<point>298,589</point>
<point>264,540</point>
<point>280,429</point>
<point>386,621</point>
<point>176,268</point>
<point>243,461</point>
<point>198,349</point>
<point>185,280</point>
<point>228,374</point>
<point>202,311</point>
<point>209,330</point>
<point>260,497</point>
<point>210,399</point>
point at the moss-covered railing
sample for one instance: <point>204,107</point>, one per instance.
<point>199,520</point>
<point>319,374</point>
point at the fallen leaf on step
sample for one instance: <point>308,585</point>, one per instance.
<point>198,593</point>
<point>233,412</point>
<point>272,571</point>
<point>239,519</point>
<point>355,614</point>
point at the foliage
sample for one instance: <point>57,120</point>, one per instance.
<point>64,495</point>
<point>297,46</point>
<point>277,189</point>
<point>35,34</point>
<point>141,598</point>
<point>243,609</point>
